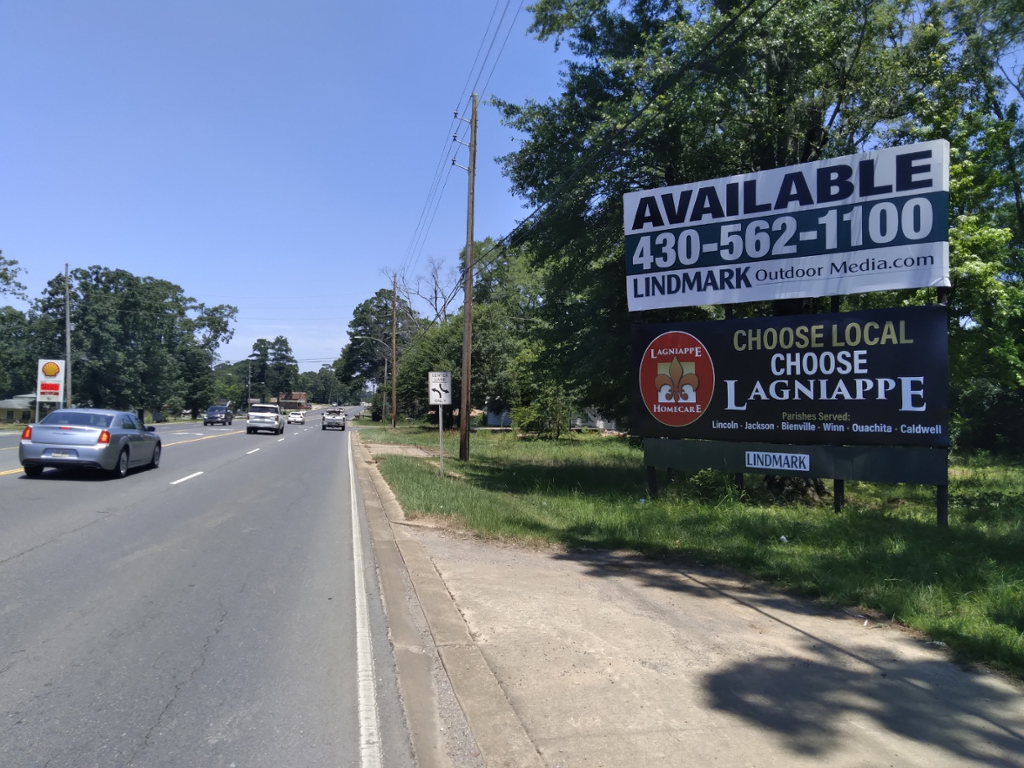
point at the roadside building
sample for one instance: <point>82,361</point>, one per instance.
<point>293,401</point>
<point>18,409</point>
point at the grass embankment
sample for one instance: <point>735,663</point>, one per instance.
<point>963,585</point>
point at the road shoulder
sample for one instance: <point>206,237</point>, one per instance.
<point>438,660</point>
<point>607,658</point>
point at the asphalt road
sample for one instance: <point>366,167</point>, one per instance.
<point>208,621</point>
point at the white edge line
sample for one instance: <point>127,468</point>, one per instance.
<point>252,451</point>
<point>280,439</point>
<point>369,725</point>
<point>187,477</point>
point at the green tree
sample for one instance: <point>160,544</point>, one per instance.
<point>138,342</point>
<point>368,354</point>
<point>282,370</point>
<point>662,93</point>
<point>17,361</point>
<point>9,271</point>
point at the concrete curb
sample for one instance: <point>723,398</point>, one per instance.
<point>499,733</point>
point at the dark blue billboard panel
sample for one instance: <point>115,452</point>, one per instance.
<point>878,377</point>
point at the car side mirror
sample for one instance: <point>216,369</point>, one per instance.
<point>151,429</point>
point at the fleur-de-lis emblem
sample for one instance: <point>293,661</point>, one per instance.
<point>675,379</point>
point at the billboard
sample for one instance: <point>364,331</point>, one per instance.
<point>877,377</point>
<point>50,381</point>
<point>873,221</point>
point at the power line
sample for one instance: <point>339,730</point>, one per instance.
<point>421,232</point>
<point>511,26</point>
<point>518,235</point>
<point>494,37</point>
<point>483,39</point>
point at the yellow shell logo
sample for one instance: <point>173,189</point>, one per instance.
<point>50,369</point>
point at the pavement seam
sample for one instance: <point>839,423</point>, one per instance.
<point>499,732</point>
<point>413,661</point>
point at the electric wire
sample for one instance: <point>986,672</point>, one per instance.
<point>438,169</point>
<point>518,234</point>
<point>494,37</point>
<point>421,233</point>
<point>483,91</point>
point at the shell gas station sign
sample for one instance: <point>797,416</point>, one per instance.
<point>50,381</point>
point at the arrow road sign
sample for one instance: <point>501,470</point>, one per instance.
<point>439,386</point>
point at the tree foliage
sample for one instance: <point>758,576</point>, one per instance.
<point>661,92</point>
<point>137,342</point>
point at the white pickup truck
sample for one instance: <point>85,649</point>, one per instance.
<point>333,418</point>
<point>264,416</point>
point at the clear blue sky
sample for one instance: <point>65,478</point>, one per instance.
<point>268,154</point>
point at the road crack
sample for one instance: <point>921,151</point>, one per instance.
<point>177,688</point>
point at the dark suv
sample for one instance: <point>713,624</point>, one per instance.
<point>218,414</point>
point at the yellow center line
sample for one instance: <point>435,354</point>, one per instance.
<point>208,437</point>
<point>12,471</point>
<point>9,449</point>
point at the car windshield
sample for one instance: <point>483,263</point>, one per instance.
<point>263,409</point>
<point>78,419</point>
<point>216,409</point>
<point>295,413</point>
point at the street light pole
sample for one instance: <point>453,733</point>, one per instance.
<point>248,396</point>
<point>394,367</point>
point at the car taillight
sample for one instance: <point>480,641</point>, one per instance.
<point>104,437</point>
<point>27,433</point>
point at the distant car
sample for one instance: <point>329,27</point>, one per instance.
<point>113,441</point>
<point>296,417</point>
<point>218,414</point>
<point>333,418</point>
<point>265,416</point>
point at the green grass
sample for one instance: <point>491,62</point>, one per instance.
<point>963,585</point>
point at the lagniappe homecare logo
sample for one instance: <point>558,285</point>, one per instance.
<point>677,378</point>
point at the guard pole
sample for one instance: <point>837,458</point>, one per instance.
<point>652,482</point>
<point>942,491</point>
<point>838,494</point>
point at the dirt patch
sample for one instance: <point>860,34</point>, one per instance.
<point>381,449</point>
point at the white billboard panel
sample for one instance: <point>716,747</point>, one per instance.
<point>50,381</point>
<point>873,221</point>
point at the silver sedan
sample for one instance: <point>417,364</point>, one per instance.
<point>113,441</point>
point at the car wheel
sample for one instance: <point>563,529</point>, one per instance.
<point>156,457</point>
<point>323,429</point>
<point>248,431</point>
<point>33,471</point>
<point>121,468</point>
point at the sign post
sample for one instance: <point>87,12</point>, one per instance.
<point>439,386</point>
<point>49,383</point>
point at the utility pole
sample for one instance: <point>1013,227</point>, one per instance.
<point>394,351</point>
<point>467,303</point>
<point>67,336</point>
